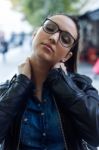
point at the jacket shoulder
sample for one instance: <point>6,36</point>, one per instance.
<point>80,77</point>
<point>82,81</point>
<point>4,86</point>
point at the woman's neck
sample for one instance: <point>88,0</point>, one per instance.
<point>40,71</point>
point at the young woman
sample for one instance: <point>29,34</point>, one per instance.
<point>48,106</point>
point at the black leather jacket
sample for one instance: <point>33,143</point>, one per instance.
<point>79,113</point>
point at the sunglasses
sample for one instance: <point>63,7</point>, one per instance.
<point>66,39</point>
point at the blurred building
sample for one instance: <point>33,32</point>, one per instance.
<point>89,42</point>
<point>89,22</point>
<point>89,5</point>
<point>13,24</point>
<point>12,21</point>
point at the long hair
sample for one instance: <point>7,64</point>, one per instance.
<point>71,64</point>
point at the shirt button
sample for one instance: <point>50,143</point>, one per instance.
<point>42,113</point>
<point>29,143</point>
<point>39,104</point>
<point>44,134</point>
<point>25,119</point>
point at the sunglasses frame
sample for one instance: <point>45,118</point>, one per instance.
<point>58,29</point>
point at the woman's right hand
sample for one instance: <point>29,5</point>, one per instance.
<point>25,68</point>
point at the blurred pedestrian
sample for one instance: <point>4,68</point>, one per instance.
<point>3,45</point>
<point>48,105</point>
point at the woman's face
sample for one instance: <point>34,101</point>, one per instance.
<point>53,41</point>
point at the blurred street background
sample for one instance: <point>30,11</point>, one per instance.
<point>18,19</point>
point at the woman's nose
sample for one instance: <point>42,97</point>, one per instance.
<point>54,38</point>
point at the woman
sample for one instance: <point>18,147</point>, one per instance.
<point>50,106</point>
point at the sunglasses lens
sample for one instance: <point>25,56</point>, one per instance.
<point>50,27</point>
<point>66,39</point>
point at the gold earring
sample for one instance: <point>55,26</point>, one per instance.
<point>63,60</point>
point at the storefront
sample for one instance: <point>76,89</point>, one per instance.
<point>89,42</point>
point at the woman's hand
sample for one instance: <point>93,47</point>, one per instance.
<point>61,65</point>
<point>25,68</point>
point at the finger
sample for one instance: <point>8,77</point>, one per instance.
<point>27,59</point>
<point>57,65</point>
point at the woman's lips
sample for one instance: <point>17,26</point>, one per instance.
<point>48,47</point>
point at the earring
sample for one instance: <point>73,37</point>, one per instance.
<point>63,60</point>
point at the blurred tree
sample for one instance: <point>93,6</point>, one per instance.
<point>36,10</point>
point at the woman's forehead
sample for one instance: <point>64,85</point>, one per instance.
<point>65,23</point>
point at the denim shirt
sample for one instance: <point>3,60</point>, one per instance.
<point>41,128</point>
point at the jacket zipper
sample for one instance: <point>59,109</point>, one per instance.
<point>61,127</point>
<point>85,145</point>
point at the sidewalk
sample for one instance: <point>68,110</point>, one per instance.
<point>14,58</point>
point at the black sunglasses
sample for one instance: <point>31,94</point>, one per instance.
<point>66,39</point>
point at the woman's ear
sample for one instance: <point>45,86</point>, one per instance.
<point>68,56</point>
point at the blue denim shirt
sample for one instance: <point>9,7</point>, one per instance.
<point>41,129</point>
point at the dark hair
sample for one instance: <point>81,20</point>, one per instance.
<point>71,64</point>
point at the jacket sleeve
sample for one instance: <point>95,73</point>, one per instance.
<point>81,99</point>
<point>11,99</point>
